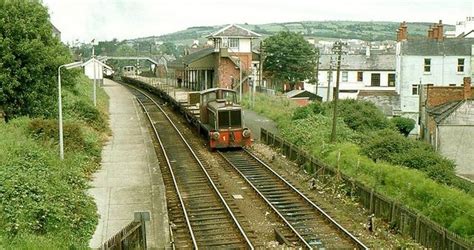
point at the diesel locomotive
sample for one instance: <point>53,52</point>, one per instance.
<point>220,118</point>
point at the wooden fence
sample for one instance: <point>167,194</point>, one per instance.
<point>132,236</point>
<point>406,221</point>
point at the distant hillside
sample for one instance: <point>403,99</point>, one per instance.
<point>370,31</point>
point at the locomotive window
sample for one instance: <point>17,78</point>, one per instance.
<point>229,96</point>
<point>212,120</point>
<point>224,121</point>
<point>209,97</point>
<point>235,119</point>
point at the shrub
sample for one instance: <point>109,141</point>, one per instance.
<point>313,108</point>
<point>40,195</point>
<point>404,125</point>
<point>383,145</point>
<point>88,113</point>
<point>361,116</point>
<point>47,131</point>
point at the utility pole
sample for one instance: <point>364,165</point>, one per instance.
<point>329,79</point>
<point>260,73</point>
<point>317,70</point>
<point>337,48</point>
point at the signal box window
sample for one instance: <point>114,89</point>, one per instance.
<point>360,76</point>
<point>234,43</point>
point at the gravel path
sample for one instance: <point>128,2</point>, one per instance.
<point>256,121</point>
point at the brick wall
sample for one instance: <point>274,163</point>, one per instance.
<point>227,70</point>
<point>439,95</point>
<point>226,73</point>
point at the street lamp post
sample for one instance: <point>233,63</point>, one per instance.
<point>60,107</point>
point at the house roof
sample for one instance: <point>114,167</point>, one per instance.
<point>234,30</point>
<point>188,59</point>
<point>444,110</point>
<point>99,62</point>
<point>447,47</point>
<point>360,62</point>
<point>302,93</point>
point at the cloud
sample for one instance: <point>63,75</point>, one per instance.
<point>106,19</point>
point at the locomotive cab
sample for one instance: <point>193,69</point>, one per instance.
<point>223,118</point>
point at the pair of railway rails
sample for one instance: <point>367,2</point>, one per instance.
<point>200,214</point>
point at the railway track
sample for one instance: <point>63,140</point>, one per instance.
<point>313,227</point>
<point>199,214</point>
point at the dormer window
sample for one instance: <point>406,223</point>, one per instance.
<point>234,43</point>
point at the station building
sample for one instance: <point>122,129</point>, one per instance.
<point>222,64</point>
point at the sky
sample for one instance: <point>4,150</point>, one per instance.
<point>124,19</point>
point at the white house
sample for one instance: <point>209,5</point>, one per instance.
<point>464,29</point>
<point>441,62</point>
<point>358,72</point>
<point>100,68</point>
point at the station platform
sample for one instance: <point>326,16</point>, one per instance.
<point>130,178</point>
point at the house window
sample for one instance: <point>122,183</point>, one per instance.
<point>375,79</point>
<point>360,76</point>
<point>345,76</point>
<point>427,66</point>
<point>234,43</point>
<point>391,80</point>
<point>414,89</point>
<point>452,85</point>
<point>460,64</point>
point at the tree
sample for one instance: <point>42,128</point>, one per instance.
<point>29,59</point>
<point>404,125</point>
<point>290,58</point>
<point>169,48</point>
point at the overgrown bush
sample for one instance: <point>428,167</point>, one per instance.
<point>304,112</point>
<point>39,194</point>
<point>404,125</point>
<point>43,199</point>
<point>361,116</point>
<point>392,147</point>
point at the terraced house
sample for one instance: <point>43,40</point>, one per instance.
<point>435,60</point>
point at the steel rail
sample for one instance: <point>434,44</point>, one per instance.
<point>354,239</point>
<point>234,219</point>
<point>267,201</point>
<point>168,163</point>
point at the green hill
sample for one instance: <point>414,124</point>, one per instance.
<point>370,31</point>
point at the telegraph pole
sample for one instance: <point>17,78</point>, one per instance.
<point>317,70</point>
<point>329,79</point>
<point>337,48</point>
<point>260,73</point>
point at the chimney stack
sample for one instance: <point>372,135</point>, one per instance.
<point>430,33</point>
<point>439,27</point>
<point>435,32</point>
<point>402,32</point>
<point>467,88</point>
